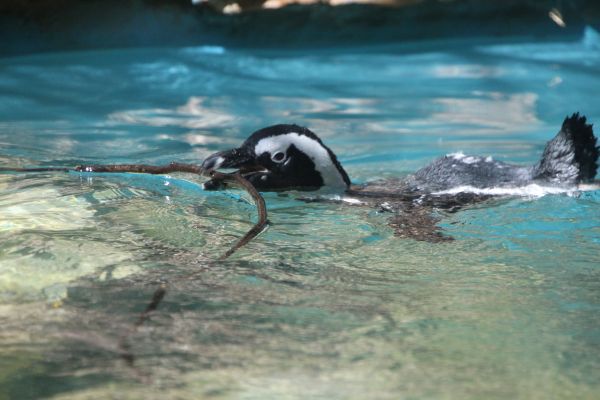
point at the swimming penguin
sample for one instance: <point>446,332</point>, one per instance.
<point>291,157</point>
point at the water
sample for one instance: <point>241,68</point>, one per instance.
<point>327,303</point>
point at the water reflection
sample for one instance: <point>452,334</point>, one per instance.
<point>196,113</point>
<point>487,110</point>
<point>162,73</point>
<point>490,111</point>
<point>327,303</point>
<point>467,71</point>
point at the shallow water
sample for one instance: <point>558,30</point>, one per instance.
<point>327,303</point>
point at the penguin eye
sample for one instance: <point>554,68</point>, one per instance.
<point>278,157</point>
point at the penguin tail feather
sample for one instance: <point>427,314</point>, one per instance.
<point>572,155</point>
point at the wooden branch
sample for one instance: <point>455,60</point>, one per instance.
<point>261,208</point>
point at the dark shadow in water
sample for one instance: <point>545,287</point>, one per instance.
<point>70,24</point>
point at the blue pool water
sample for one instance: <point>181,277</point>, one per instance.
<point>327,303</point>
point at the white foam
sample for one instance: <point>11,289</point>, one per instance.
<point>351,200</point>
<point>336,198</point>
<point>460,156</point>
<point>531,190</point>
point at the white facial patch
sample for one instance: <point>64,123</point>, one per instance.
<point>218,162</point>
<point>313,149</point>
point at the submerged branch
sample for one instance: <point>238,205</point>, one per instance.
<point>261,209</point>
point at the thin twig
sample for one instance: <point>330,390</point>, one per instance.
<point>261,208</point>
<point>40,169</point>
<point>116,168</point>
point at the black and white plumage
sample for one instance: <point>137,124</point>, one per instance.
<point>283,157</point>
<point>290,157</point>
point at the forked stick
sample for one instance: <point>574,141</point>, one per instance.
<point>261,209</point>
<point>137,168</point>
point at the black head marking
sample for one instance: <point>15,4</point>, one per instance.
<point>282,157</point>
<point>283,129</point>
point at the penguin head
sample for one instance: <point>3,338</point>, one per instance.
<point>282,157</point>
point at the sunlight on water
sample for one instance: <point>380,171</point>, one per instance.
<point>326,303</point>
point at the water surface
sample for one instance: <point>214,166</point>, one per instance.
<point>327,303</point>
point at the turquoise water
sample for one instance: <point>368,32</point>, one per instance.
<point>327,303</point>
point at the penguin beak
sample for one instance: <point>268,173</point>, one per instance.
<point>235,158</point>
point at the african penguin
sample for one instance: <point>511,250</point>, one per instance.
<point>285,157</point>
<point>290,157</point>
